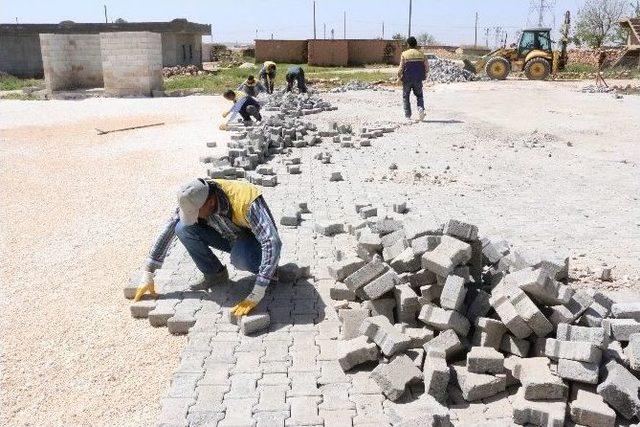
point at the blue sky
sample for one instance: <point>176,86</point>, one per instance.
<point>450,21</point>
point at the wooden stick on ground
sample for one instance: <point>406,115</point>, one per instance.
<point>102,132</point>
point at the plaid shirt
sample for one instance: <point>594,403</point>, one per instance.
<point>260,220</point>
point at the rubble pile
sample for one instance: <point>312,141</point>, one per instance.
<point>597,89</point>
<point>446,71</point>
<point>437,304</point>
<point>358,85</point>
<point>296,105</point>
<point>182,70</point>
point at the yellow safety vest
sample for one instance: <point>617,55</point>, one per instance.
<point>240,195</point>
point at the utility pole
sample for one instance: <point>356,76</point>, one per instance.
<point>332,34</point>
<point>486,33</point>
<point>475,40</point>
<point>314,19</point>
<point>106,21</point>
<point>256,33</point>
<point>410,11</point>
<point>541,13</point>
<point>271,36</point>
<point>382,30</point>
<point>324,31</point>
<point>344,24</point>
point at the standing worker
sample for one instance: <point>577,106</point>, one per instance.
<point>244,105</point>
<point>230,216</point>
<point>296,74</point>
<point>412,72</point>
<point>268,75</point>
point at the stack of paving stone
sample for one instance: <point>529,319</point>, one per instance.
<point>358,85</point>
<point>295,105</point>
<point>436,304</point>
<point>597,89</point>
<point>446,71</point>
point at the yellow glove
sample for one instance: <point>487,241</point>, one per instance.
<point>243,308</point>
<point>223,126</point>
<point>146,285</point>
<point>225,114</point>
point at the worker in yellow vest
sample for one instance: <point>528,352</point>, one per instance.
<point>226,215</point>
<point>244,105</point>
<point>412,72</point>
<point>268,75</point>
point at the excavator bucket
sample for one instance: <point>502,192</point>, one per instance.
<point>469,66</point>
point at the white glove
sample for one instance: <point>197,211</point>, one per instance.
<point>256,294</point>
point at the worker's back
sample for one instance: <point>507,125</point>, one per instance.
<point>414,68</point>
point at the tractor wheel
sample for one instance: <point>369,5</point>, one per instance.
<point>537,69</point>
<point>498,68</point>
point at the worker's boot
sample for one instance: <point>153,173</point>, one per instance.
<point>421,114</point>
<point>209,281</point>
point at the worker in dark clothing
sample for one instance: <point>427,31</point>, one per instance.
<point>252,87</point>
<point>244,105</point>
<point>296,74</point>
<point>268,75</point>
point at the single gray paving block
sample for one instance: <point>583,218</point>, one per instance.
<point>392,238</point>
<point>356,351</point>
<point>417,227</point>
<point>477,302</point>
<point>447,342</point>
<point>589,409</point>
<point>436,413</point>
<point>340,292</point>
<point>369,241</point>
<point>596,336</point>
<point>368,212</point>
<point>386,226</point>
<point>304,411</point>
<point>271,419</point>
<point>531,314</point>
<point>594,315</point>
<point>581,351</point>
<point>494,248</point>
<point>381,307</point>
<point>365,274</point>
<point>394,250</point>
<point>538,285</point>
<point>627,310</point>
<point>335,397</point>
<point>407,305</point>
<point>419,278</point>
<point>556,265</point>
<point>351,320</point>
<point>582,372</point>
<point>192,361</point>
<point>621,329</point>
<point>329,227</point>
<point>142,308</point>
<point>461,230</point>
<point>303,384</point>
<point>380,286</point>
<point>384,334</point>
<point>515,346</point>
<point>209,398</point>
<point>406,262</point>
<point>238,412</point>
<point>272,399</point>
<point>453,293</point>
<point>418,337</point>
<point>184,385</point>
<point>426,243</point>
<point>243,386</point>
<point>620,390</point>
<point>509,316</point>
<point>572,310</point>
<point>442,319</point>
<point>394,377</point>
<point>488,332</point>
<point>436,375</point>
<point>180,323</point>
<point>449,254</point>
<point>344,268</point>
<point>203,418</point>
<point>475,386</point>
<point>538,383</point>
<point>550,412</point>
<point>633,352</point>
<point>485,360</point>
<point>290,217</point>
<point>173,411</point>
<point>164,310</point>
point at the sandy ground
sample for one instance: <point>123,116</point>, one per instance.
<point>80,211</point>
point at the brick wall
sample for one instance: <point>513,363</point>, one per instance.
<point>374,52</point>
<point>71,61</point>
<point>293,51</point>
<point>329,53</point>
<point>131,62</point>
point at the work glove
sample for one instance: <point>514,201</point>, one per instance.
<point>223,126</point>
<point>146,285</point>
<point>245,306</point>
<point>225,114</point>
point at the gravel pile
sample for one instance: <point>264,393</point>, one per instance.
<point>439,305</point>
<point>446,71</point>
<point>358,85</point>
<point>596,89</point>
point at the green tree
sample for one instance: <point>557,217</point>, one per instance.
<point>398,36</point>
<point>597,22</point>
<point>425,39</point>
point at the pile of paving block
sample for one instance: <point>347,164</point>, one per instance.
<point>296,105</point>
<point>446,71</point>
<point>436,304</point>
<point>358,85</point>
<point>597,89</point>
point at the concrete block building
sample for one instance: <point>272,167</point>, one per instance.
<point>20,53</point>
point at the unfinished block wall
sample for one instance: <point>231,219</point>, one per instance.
<point>292,51</point>
<point>131,63</point>
<point>329,53</point>
<point>71,61</point>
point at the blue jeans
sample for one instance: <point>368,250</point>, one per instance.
<point>407,87</point>
<point>246,253</point>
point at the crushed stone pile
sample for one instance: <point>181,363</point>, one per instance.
<point>446,71</point>
<point>597,89</point>
<point>438,304</point>
<point>181,70</point>
<point>358,85</point>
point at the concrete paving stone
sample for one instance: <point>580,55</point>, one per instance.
<point>416,355</point>
<point>621,329</point>
<point>365,274</point>
<point>303,384</point>
<point>390,252</point>
<point>513,345</point>
<point>447,341</point>
<point>370,241</point>
<point>271,419</point>
<point>494,248</point>
<point>270,379</point>
<point>251,344</point>
<point>272,399</point>
<point>361,383</point>
<point>581,351</point>
<point>425,405</point>
<point>351,320</point>
<point>476,386</point>
<point>550,412</point>
<point>173,411</point>
<point>386,226</point>
<point>498,409</point>
<point>209,398</point>
<point>429,293</point>
<point>510,363</point>
<point>406,262</point>
<point>632,351</point>
<point>569,312</point>
<point>216,374</point>
<point>538,383</point>
<point>304,411</point>
<point>531,314</point>
<point>225,337</point>
<point>453,293</point>
<point>477,303</point>
<point>253,323</point>
<point>329,227</point>
<point>508,314</point>
<point>488,332</point>
<point>593,315</point>
<point>419,278</point>
<point>276,351</point>
<point>461,230</point>
<point>380,286</point>
<point>620,390</point>
<point>368,212</point>
<point>589,409</point>
<point>436,375</point>
<point>418,337</point>
<point>331,373</point>
<point>184,385</point>
<point>538,285</point>
<point>329,349</point>
<point>417,227</point>
<point>274,367</point>
<point>203,418</point>
<point>142,308</point>
<point>485,360</point>
<point>381,307</point>
<point>441,319</point>
<point>164,309</point>
<point>406,304</point>
<point>340,292</point>
<point>615,352</point>
<point>337,418</point>
<point>449,254</point>
<point>384,335</point>
<point>394,377</point>
<point>246,363</point>
<point>583,372</point>
<point>243,386</point>
<point>425,243</point>
<point>556,265</point>
<point>356,351</point>
<point>238,412</point>
<point>192,361</point>
<point>304,360</point>
<point>335,397</point>
<point>369,409</point>
<point>392,237</point>
<point>342,269</point>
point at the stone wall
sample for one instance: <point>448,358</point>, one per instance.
<point>326,53</point>
<point>20,55</point>
<point>131,63</point>
<point>71,61</point>
<point>292,51</point>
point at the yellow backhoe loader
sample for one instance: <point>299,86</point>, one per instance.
<point>533,55</point>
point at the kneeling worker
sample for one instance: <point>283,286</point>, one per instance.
<point>230,216</point>
<point>252,87</point>
<point>268,75</point>
<point>296,74</point>
<point>243,104</point>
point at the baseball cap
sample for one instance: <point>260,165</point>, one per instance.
<point>191,198</point>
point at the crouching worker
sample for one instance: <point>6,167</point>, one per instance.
<point>252,87</point>
<point>230,216</point>
<point>296,74</point>
<point>244,105</point>
<point>268,75</point>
